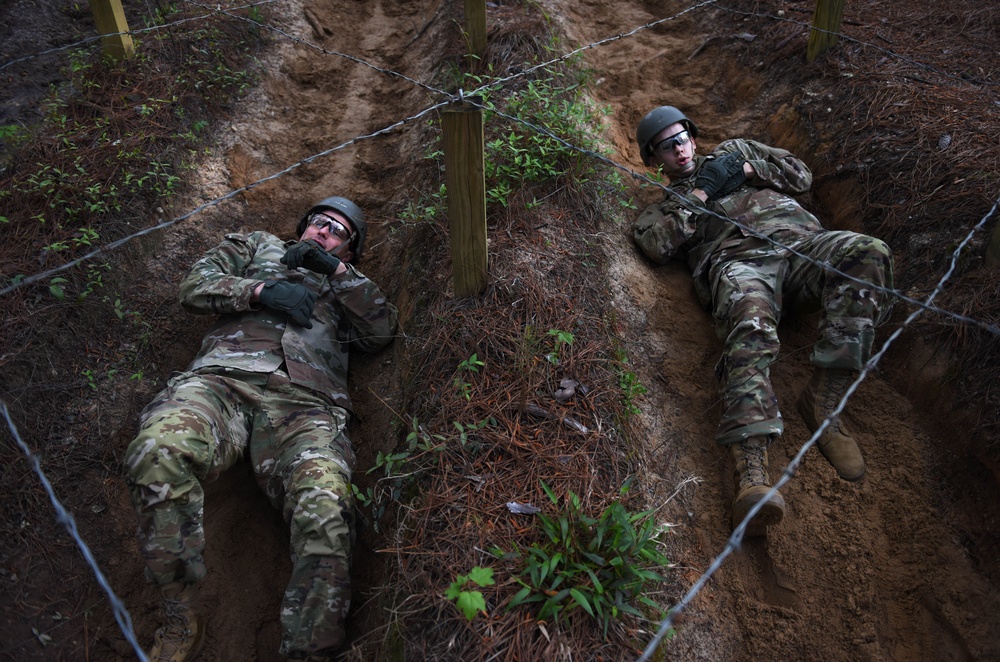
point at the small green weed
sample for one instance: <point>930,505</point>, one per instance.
<point>427,208</point>
<point>91,378</point>
<point>109,136</point>
<point>472,602</point>
<point>423,450</point>
<point>632,390</point>
<point>466,432</point>
<point>628,380</point>
<point>600,565</point>
<point>562,339</point>
<point>471,364</point>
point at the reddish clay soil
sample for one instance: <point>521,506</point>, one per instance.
<point>878,570</point>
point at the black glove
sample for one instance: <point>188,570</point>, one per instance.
<point>721,176</point>
<point>310,255</point>
<point>294,298</point>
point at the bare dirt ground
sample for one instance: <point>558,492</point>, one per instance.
<point>893,568</point>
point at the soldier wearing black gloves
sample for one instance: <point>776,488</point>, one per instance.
<point>721,175</point>
<point>774,253</point>
<point>270,384</point>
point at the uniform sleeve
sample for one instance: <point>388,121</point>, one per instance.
<point>217,283</point>
<point>775,168</point>
<point>372,319</point>
<point>663,229</point>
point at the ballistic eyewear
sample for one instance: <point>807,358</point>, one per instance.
<point>676,140</point>
<point>333,226</point>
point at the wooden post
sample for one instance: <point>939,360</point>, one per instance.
<point>110,20</point>
<point>827,17</point>
<point>465,177</point>
<point>475,26</point>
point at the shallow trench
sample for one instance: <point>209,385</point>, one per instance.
<point>900,567</point>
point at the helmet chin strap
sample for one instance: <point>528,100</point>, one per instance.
<point>341,250</point>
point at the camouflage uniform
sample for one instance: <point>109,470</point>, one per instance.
<point>745,280</point>
<point>278,392</point>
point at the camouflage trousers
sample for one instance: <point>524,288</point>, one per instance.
<point>752,284</point>
<point>202,424</point>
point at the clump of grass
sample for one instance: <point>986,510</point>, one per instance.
<point>595,565</point>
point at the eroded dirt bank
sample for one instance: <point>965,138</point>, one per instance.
<point>873,571</point>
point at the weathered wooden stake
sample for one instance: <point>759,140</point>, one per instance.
<point>110,20</point>
<point>465,177</point>
<point>827,17</point>
<point>475,26</point>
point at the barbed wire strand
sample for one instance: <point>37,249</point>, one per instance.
<point>139,31</point>
<point>464,99</point>
<point>693,204</point>
<point>500,82</point>
<point>497,83</point>
<point>303,42</point>
<point>121,614</point>
<point>65,518</point>
<point>846,37</point>
<point>789,472</point>
<point>544,65</point>
<point>211,203</point>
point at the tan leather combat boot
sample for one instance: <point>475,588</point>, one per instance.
<point>825,389</point>
<point>752,484</point>
<point>183,633</point>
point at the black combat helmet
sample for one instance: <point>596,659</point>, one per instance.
<point>655,121</point>
<point>350,210</point>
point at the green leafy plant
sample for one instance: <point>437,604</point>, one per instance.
<point>55,288</point>
<point>91,378</point>
<point>632,390</point>
<point>562,339</point>
<point>365,497</point>
<point>471,364</point>
<point>556,117</point>
<point>466,431</point>
<point>472,602</point>
<point>422,451</point>
<point>426,208</point>
<point>100,168</point>
<point>420,440</point>
<point>390,462</point>
<point>600,566</point>
<point>628,380</point>
<point>521,155</point>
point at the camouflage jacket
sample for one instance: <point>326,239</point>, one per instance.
<point>350,313</point>
<point>764,204</point>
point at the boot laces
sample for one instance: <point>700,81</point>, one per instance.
<point>753,461</point>
<point>836,387</point>
<point>177,630</point>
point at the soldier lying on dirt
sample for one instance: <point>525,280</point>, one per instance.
<point>269,383</point>
<point>746,281</point>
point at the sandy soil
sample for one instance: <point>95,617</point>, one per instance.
<point>869,571</point>
<point>872,571</point>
